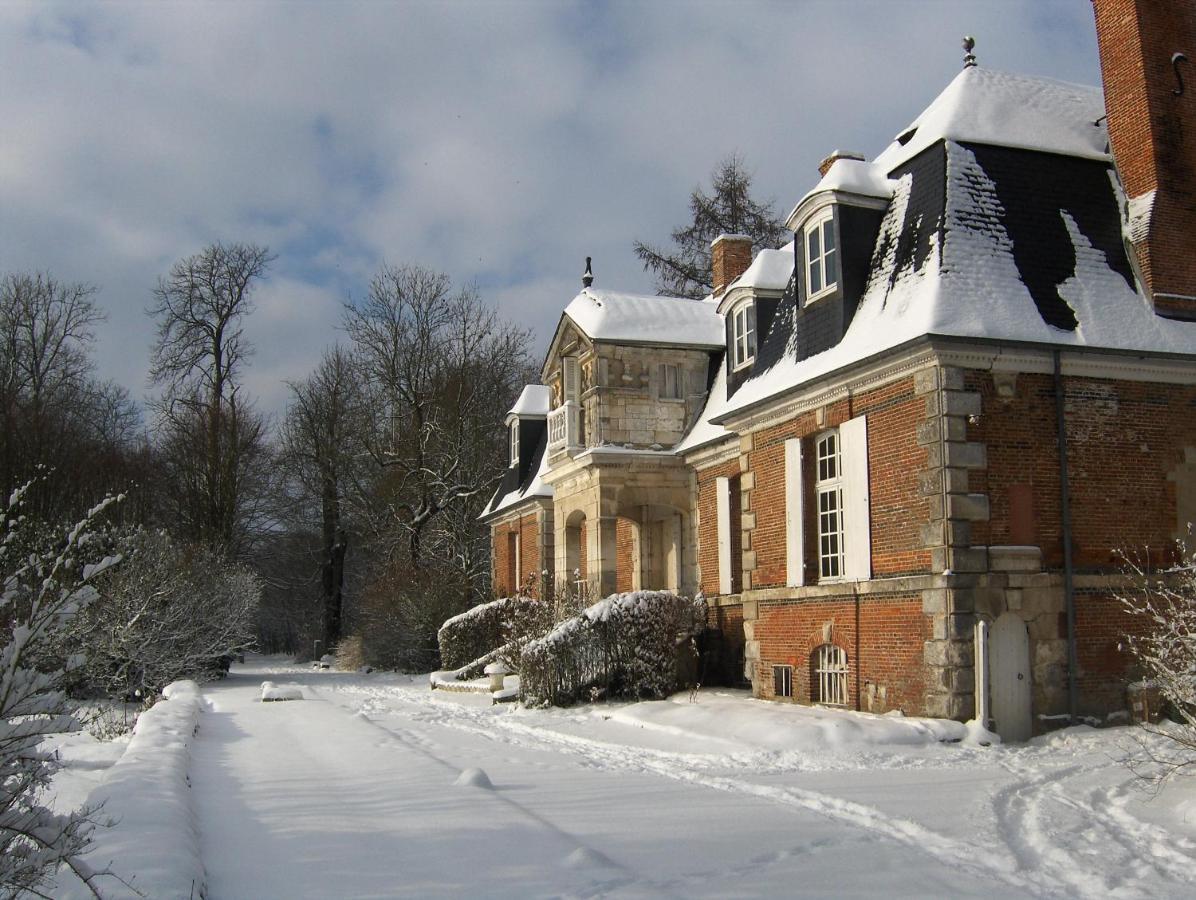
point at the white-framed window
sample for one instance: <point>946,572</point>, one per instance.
<point>743,333</point>
<point>782,681</point>
<point>515,442</point>
<point>828,488</point>
<point>822,274</point>
<point>829,684</point>
<point>571,379</point>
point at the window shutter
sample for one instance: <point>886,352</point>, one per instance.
<point>795,557</point>
<point>857,529</point>
<point>570,374</point>
<point>722,491</point>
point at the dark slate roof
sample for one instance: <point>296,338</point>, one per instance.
<point>522,482</point>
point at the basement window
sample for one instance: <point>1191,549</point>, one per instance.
<point>782,681</point>
<point>828,685</point>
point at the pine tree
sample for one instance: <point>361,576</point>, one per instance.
<point>730,208</point>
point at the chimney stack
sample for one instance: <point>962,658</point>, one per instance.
<point>1150,99</point>
<point>730,256</point>
<point>835,156</point>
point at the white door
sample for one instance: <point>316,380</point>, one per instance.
<point>1009,678</point>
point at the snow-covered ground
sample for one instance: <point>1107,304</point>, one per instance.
<point>375,786</point>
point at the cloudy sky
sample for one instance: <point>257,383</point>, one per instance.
<point>500,142</point>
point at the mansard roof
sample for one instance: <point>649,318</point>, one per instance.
<point>646,319</point>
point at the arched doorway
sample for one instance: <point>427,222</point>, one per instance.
<point>1009,678</point>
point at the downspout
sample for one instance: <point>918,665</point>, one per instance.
<point>1069,595</point>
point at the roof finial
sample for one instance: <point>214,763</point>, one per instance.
<point>588,278</point>
<point>969,58</point>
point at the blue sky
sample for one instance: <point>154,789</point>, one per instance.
<point>499,142</point>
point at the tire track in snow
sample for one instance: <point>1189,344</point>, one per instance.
<point>582,856</point>
<point>599,755</point>
<point>1038,809</point>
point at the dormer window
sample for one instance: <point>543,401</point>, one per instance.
<point>743,330</point>
<point>514,442</point>
<point>822,274</point>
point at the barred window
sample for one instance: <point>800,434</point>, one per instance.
<point>782,681</point>
<point>829,682</point>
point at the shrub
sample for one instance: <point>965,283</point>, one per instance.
<point>487,627</point>
<point>399,614</point>
<point>349,654</point>
<point>1164,650</point>
<point>624,646</point>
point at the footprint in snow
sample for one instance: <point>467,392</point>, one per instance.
<point>586,858</point>
<point>474,778</point>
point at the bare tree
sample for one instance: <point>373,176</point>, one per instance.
<point>684,271</point>
<point>442,369</point>
<point>323,447</point>
<point>212,437</point>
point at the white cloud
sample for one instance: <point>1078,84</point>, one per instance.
<point>500,142</point>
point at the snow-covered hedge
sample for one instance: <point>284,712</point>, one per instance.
<point>154,843</point>
<point>627,645</point>
<point>481,630</point>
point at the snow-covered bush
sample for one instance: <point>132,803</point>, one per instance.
<point>170,611</point>
<point>627,645</point>
<point>45,583</point>
<point>487,627</point>
<point>1164,650</point>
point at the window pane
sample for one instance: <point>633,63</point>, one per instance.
<point>828,235</point>
<point>829,263</point>
<point>815,245</point>
<point>815,277</point>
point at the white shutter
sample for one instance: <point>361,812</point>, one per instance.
<point>722,492</point>
<point>857,531</point>
<point>795,557</point>
<point>572,388</point>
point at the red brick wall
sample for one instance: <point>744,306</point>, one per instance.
<point>1124,438</point>
<point>895,460</point>
<point>1104,667</point>
<point>883,639</point>
<point>708,523</point>
<point>624,554</point>
<point>527,533</point>
<point>1150,129</point>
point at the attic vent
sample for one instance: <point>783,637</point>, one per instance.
<point>906,136</point>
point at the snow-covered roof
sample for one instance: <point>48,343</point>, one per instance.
<point>533,402</point>
<point>1063,282</point>
<point>850,176</point>
<point>704,431</point>
<point>533,488</point>
<point>769,271</point>
<point>646,319</point>
<point>984,106</point>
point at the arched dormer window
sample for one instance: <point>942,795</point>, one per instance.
<point>822,257</point>
<point>743,334</point>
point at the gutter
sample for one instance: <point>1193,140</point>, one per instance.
<point>1069,596</point>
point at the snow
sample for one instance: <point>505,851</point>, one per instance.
<point>769,271</point>
<point>274,692</point>
<point>383,788</point>
<point>152,849</point>
<point>1140,210</point>
<point>970,287</point>
<point>537,488</point>
<point>534,401</point>
<point>985,106</point>
<point>851,176</point>
<point>646,319</point>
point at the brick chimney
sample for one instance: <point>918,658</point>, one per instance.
<point>1148,64</point>
<point>730,255</point>
<point>834,157</point>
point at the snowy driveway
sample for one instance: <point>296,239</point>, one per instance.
<point>359,791</point>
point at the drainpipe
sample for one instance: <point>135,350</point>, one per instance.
<point>1069,596</point>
